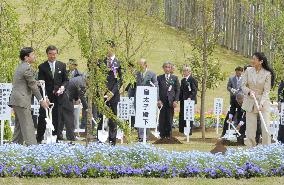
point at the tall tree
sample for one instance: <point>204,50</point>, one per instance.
<point>10,40</point>
<point>204,42</point>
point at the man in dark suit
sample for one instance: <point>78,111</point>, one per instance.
<point>75,94</point>
<point>24,85</point>
<point>112,97</point>
<point>188,91</point>
<point>234,87</point>
<point>169,89</point>
<point>281,100</point>
<point>54,74</point>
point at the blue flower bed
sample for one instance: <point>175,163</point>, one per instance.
<point>100,160</point>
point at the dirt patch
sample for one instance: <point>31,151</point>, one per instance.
<point>171,140</point>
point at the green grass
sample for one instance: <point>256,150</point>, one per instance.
<point>137,181</point>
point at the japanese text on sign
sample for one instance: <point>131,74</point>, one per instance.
<point>218,106</point>
<point>189,110</point>
<point>123,108</point>
<point>146,107</point>
<point>5,110</point>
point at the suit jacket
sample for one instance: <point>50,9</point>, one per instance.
<point>24,85</point>
<point>260,83</point>
<point>281,92</point>
<point>188,89</point>
<point>235,84</point>
<point>76,88</point>
<point>164,94</point>
<point>53,84</point>
<point>74,73</point>
<point>114,82</point>
<point>141,80</point>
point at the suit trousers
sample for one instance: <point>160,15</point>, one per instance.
<point>251,127</point>
<point>24,128</point>
<point>111,123</point>
<point>166,120</point>
<point>66,118</point>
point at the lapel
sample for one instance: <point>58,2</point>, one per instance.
<point>235,81</point>
<point>48,69</point>
<point>144,79</point>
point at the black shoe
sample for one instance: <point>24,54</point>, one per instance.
<point>60,137</point>
<point>140,140</point>
<point>73,139</point>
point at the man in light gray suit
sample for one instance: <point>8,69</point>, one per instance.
<point>234,87</point>
<point>24,85</point>
<point>145,77</point>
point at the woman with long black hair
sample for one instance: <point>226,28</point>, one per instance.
<point>257,81</point>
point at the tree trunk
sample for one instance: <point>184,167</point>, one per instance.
<point>89,132</point>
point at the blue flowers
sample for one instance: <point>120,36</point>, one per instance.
<point>101,160</point>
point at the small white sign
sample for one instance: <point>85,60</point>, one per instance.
<point>218,106</point>
<point>131,107</point>
<point>123,108</point>
<point>5,110</point>
<point>35,107</point>
<point>189,110</point>
<point>146,107</point>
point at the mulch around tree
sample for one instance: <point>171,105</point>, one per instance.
<point>171,140</point>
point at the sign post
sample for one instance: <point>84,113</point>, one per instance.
<point>188,116</point>
<point>146,108</point>
<point>218,108</point>
<point>5,110</point>
<point>123,110</point>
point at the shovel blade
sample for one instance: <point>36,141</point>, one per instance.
<point>102,135</point>
<point>156,134</point>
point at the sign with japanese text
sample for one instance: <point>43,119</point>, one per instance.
<point>146,107</point>
<point>5,110</point>
<point>123,108</point>
<point>189,110</point>
<point>218,106</point>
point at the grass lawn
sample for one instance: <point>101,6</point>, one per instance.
<point>137,181</point>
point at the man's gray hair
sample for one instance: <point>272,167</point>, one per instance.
<point>167,63</point>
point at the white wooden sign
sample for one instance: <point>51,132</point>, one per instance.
<point>131,107</point>
<point>282,114</point>
<point>218,106</point>
<point>35,107</point>
<point>123,108</point>
<point>146,107</point>
<point>5,110</point>
<point>189,110</point>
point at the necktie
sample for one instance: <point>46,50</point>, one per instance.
<point>52,69</point>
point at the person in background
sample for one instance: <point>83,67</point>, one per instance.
<point>280,101</point>
<point>144,77</point>
<point>169,90</point>
<point>114,82</point>
<point>72,69</point>
<point>257,82</point>
<point>188,91</point>
<point>234,87</point>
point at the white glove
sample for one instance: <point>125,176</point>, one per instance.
<point>233,91</point>
<point>60,90</point>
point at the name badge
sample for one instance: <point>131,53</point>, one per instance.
<point>170,88</point>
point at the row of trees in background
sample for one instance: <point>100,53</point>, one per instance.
<point>246,25</point>
<point>243,26</point>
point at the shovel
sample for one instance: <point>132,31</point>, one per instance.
<point>156,133</point>
<point>103,134</point>
<point>48,112</point>
<point>260,114</point>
